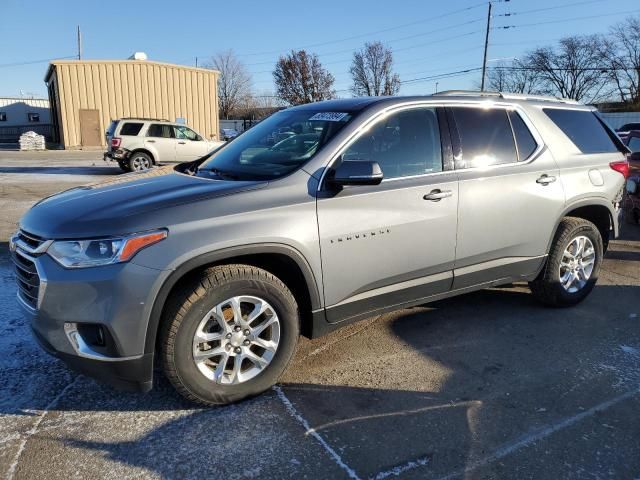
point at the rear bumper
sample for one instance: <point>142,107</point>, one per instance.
<point>117,155</point>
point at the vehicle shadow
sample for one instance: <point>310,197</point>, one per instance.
<point>438,387</point>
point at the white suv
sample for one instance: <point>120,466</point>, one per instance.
<point>138,144</point>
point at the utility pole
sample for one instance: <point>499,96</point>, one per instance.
<point>196,62</point>
<point>79,44</point>
<point>486,47</point>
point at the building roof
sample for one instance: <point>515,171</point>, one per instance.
<point>55,63</point>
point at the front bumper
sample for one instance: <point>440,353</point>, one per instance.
<point>94,319</point>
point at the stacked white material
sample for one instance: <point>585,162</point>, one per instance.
<point>31,141</point>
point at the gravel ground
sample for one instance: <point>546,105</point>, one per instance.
<point>487,385</point>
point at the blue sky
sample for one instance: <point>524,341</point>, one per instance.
<point>428,38</point>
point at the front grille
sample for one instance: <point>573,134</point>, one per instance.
<point>27,277</point>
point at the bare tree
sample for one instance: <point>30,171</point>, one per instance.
<point>573,69</point>
<point>372,71</point>
<point>234,84</point>
<point>300,78</point>
<point>621,54</point>
<point>518,76</point>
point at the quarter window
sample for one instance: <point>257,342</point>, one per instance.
<point>131,129</point>
<point>160,131</point>
<point>404,144</point>
<point>584,129</point>
<point>524,140</point>
<point>486,137</point>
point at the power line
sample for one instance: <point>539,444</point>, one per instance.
<point>417,22</point>
<point>33,62</point>
<point>557,7</point>
<point>431,32</point>
<point>564,20</point>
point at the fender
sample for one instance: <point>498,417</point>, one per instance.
<point>587,202</point>
<point>217,256</point>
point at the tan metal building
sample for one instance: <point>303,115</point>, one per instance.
<point>85,95</point>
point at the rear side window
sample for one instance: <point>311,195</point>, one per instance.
<point>525,142</point>
<point>130,128</point>
<point>485,137</point>
<point>160,130</point>
<point>584,129</point>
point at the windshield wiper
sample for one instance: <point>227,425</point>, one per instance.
<point>223,174</point>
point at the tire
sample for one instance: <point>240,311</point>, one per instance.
<point>140,162</point>
<point>194,305</point>
<point>548,287</point>
<point>124,166</point>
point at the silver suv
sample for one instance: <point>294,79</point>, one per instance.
<point>215,267</point>
<point>137,144</point>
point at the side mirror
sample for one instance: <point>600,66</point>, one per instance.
<point>632,186</point>
<point>357,172</point>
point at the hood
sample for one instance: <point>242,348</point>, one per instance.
<point>119,206</point>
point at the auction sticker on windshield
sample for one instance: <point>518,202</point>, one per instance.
<point>329,116</point>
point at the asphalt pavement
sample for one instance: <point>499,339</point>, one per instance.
<point>487,385</point>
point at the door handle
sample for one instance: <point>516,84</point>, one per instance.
<point>545,179</point>
<point>437,195</point>
<point>151,141</point>
<point>182,143</point>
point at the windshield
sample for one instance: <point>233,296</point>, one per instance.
<point>276,146</point>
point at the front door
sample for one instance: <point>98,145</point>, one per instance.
<point>90,132</point>
<point>510,196</point>
<point>391,243</point>
<point>190,146</point>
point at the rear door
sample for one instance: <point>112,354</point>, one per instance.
<point>510,195</point>
<point>391,243</point>
<point>189,145</point>
<point>160,139</point>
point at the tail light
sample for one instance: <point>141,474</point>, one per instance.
<point>621,166</point>
<point>115,142</point>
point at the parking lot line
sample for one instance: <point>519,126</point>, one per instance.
<point>34,429</point>
<point>295,414</point>
<point>537,435</point>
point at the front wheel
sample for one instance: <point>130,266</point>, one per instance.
<point>571,270</point>
<point>229,334</point>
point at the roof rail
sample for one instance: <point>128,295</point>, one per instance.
<point>506,96</point>
<point>146,118</point>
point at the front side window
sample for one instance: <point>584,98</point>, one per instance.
<point>33,117</point>
<point>185,133</point>
<point>485,135</point>
<point>404,144</point>
<point>584,129</point>
<point>276,146</point>
<point>159,130</point>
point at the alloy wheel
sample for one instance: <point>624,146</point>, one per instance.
<point>576,266</point>
<point>236,340</point>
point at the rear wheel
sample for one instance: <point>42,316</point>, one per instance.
<point>229,334</point>
<point>140,162</point>
<point>571,270</point>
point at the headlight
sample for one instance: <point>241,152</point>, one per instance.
<point>105,251</point>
